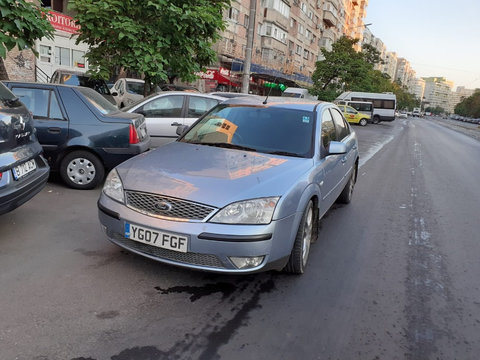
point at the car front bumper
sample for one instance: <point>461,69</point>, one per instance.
<point>210,246</point>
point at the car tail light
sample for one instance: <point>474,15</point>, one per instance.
<point>1,174</point>
<point>133,135</point>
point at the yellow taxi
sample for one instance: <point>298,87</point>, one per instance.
<point>353,116</point>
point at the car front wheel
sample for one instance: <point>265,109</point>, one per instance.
<point>363,122</point>
<point>301,248</point>
<point>82,170</point>
<point>346,195</point>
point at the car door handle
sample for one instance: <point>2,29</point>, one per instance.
<point>54,130</point>
<point>344,160</point>
<point>175,124</point>
<point>354,147</point>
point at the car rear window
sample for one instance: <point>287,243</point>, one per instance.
<point>266,129</point>
<point>98,101</point>
<point>98,85</point>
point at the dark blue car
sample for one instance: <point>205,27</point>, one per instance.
<point>82,134</point>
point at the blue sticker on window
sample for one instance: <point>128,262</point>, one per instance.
<point>306,119</point>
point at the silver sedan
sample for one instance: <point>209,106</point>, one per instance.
<point>241,191</point>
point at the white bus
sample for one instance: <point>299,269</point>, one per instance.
<point>384,104</point>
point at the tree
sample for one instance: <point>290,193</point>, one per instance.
<point>157,38</point>
<point>470,106</point>
<point>342,69</point>
<point>22,23</point>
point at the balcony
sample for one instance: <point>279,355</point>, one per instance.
<point>329,19</point>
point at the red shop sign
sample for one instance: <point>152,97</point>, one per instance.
<point>63,22</point>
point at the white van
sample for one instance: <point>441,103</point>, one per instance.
<point>300,93</point>
<point>384,104</point>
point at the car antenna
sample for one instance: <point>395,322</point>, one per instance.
<point>265,101</point>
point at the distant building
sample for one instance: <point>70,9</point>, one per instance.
<point>458,96</point>
<point>437,93</point>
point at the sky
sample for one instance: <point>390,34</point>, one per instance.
<point>438,37</point>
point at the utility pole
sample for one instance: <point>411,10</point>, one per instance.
<point>248,51</point>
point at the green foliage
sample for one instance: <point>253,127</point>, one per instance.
<point>345,69</point>
<point>21,24</point>
<point>470,106</point>
<point>157,38</point>
<point>437,110</point>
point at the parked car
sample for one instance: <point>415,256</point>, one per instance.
<point>165,111</point>
<point>241,191</point>
<point>173,87</point>
<point>78,78</point>
<point>230,94</point>
<point>401,115</point>
<point>353,116</point>
<point>23,170</point>
<point>128,91</point>
<point>81,133</point>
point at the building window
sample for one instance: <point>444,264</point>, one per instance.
<point>45,53</point>
<point>246,21</point>
<point>279,5</point>
<point>233,14</point>
<point>300,29</point>
<point>299,50</point>
<point>78,58</point>
<point>305,54</point>
<point>62,56</point>
<point>292,22</point>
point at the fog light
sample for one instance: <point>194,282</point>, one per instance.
<point>247,261</point>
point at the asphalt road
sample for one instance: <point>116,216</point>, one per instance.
<point>393,275</point>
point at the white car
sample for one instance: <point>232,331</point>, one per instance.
<point>165,111</point>
<point>128,91</point>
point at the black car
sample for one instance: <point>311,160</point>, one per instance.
<point>23,170</point>
<point>81,133</point>
<point>77,78</point>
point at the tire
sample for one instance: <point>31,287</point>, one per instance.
<point>376,119</point>
<point>347,192</point>
<point>301,247</point>
<point>363,122</point>
<point>81,170</point>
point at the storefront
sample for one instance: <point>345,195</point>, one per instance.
<point>219,80</point>
<point>61,52</point>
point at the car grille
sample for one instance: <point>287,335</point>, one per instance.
<point>148,204</point>
<point>185,258</point>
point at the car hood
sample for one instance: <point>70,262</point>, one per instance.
<point>211,175</point>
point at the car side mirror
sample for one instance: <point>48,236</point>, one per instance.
<point>181,129</point>
<point>337,148</point>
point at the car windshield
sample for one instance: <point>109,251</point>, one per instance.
<point>266,129</point>
<point>80,80</point>
<point>98,101</point>
<point>293,95</point>
<point>135,87</point>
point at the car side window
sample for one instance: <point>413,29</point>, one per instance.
<point>328,129</point>
<point>42,103</point>
<point>165,106</point>
<point>350,110</point>
<point>343,130</point>
<point>197,105</point>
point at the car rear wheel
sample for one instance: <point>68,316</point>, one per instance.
<point>376,119</point>
<point>82,170</point>
<point>346,195</point>
<point>301,248</point>
<point>363,122</point>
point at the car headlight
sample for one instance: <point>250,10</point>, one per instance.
<point>255,211</point>
<point>113,187</point>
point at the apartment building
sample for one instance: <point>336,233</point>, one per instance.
<point>390,65</point>
<point>377,43</point>
<point>289,36</point>
<point>419,88</point>
<point>458,96</point>
<point>437,93</point>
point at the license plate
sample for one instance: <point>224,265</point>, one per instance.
<point>161,239</point>
<point>24,169</point>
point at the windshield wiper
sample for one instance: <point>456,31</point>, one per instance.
<point>284,153</point>
<point>229,146</point>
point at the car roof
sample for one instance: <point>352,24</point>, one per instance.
<point>230,94</point>
<point>277,101</point>
<point>133,80</point>
<point>41,84</point>
<point>73,72</point>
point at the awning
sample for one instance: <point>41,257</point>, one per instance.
<point>237,65</point>
<point>222,76</point>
